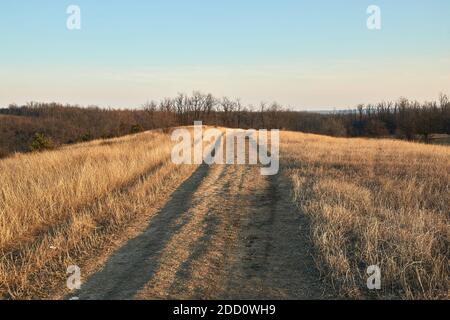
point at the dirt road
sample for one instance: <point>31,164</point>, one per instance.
<point>226,233</point>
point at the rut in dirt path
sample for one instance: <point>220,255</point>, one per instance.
<point>226,233</point>
<point>274,260</point>
<point>130,268</point>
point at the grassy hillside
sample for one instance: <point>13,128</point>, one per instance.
<point>62,206</point>
<point>375,202</point>
<point>370,202</point>
<point>62,125</point>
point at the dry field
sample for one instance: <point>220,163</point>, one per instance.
<point>375,202</point>
<point>63,206</point>
<point>142,227</point>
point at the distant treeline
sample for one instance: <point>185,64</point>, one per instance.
<point>46,125</point>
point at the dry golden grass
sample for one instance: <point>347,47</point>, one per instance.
<point>58,208</point>
<point>375,202</point>
<point>370,202</point>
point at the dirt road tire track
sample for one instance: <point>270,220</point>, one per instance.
<point>131,266</point>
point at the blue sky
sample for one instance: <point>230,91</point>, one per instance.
<point>306,54</point>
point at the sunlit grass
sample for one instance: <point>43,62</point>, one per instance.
<point>375,202</point>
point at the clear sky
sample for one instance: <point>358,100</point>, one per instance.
<point>306,54</point>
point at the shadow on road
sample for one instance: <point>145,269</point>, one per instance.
<point>133,265</point>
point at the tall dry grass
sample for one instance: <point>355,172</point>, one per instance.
<point>58,208</point>
<point>375,202</point>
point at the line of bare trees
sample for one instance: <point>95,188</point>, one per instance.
<point>402,119</point>
<point>185,109</point>
<point>63,124</point>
